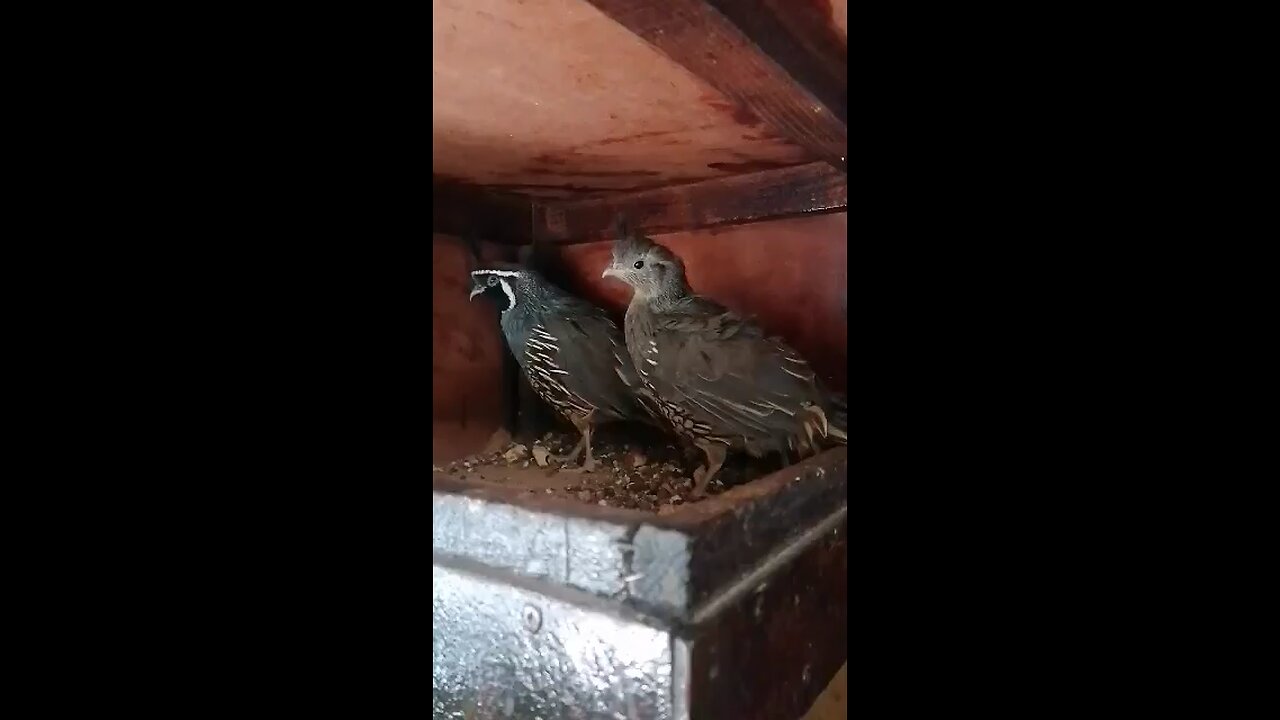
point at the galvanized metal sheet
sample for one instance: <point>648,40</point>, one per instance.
<point>581,553</point>
<point>500,650</point>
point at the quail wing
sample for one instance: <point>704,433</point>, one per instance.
<point>727,373</point>
<point>590,348</point>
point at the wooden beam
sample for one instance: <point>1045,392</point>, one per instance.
<point>780,59</point>
<point>800,190</point>
<point>470,211</point>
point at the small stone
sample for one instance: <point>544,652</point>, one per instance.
<point>516,452</point>
<point>603,504</point>
<point>675,499</point>
<point>584,496</point>
<point>499,440</point>
<point>539,455</point>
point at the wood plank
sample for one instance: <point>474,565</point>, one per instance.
<point>553,99</point>
<point>781,60</point>
<point>467,211</point>
<point>800,190</point>
<point>466,352</point>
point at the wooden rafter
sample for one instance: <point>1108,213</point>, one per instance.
<point>788,192</point>
<point>470,211</point>
<point>779,59</point>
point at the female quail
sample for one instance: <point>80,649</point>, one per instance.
<point>572,353</point>
<point>717,379</point>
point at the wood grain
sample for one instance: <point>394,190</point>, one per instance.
<point>784,61</point>
<point>553,99</point>
<point>801,190</point>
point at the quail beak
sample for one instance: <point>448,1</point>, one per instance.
<point>474,292</point>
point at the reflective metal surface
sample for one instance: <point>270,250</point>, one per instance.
<point>733,608</point>
<point>503,651</point>
<point>578,552</point>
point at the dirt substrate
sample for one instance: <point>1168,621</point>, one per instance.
<point>634,469</point>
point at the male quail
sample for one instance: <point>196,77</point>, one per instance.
<point>717,379</point>
<point>572,353</point>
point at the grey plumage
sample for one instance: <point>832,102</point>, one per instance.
<point>573,355</point>
<point>718,380</point>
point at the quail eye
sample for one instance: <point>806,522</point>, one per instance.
<point>639,264</point>
<point>493,280</point>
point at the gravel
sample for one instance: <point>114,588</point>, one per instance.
<point>655,477</point>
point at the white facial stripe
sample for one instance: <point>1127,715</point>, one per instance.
<point>511,297</point>
<point>499,273</point>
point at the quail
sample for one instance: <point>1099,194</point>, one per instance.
<point>717,379</point>
<point>573,355</point>
<point>839,418</point>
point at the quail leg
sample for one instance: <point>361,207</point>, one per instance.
<point>589,464</point>
<point>715,458</point>
<point>583,423</point>
<point>573,454</point>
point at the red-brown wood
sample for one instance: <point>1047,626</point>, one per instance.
<point>789,274</point>
<point>840,17</point>
<point>553,99</point>
<point>469,211</point>
<point>803,189</point>
<point>782,61</point>
<point>466,364</point>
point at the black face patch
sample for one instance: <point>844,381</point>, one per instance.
<point>499,290</point>
<point>503,294</point>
